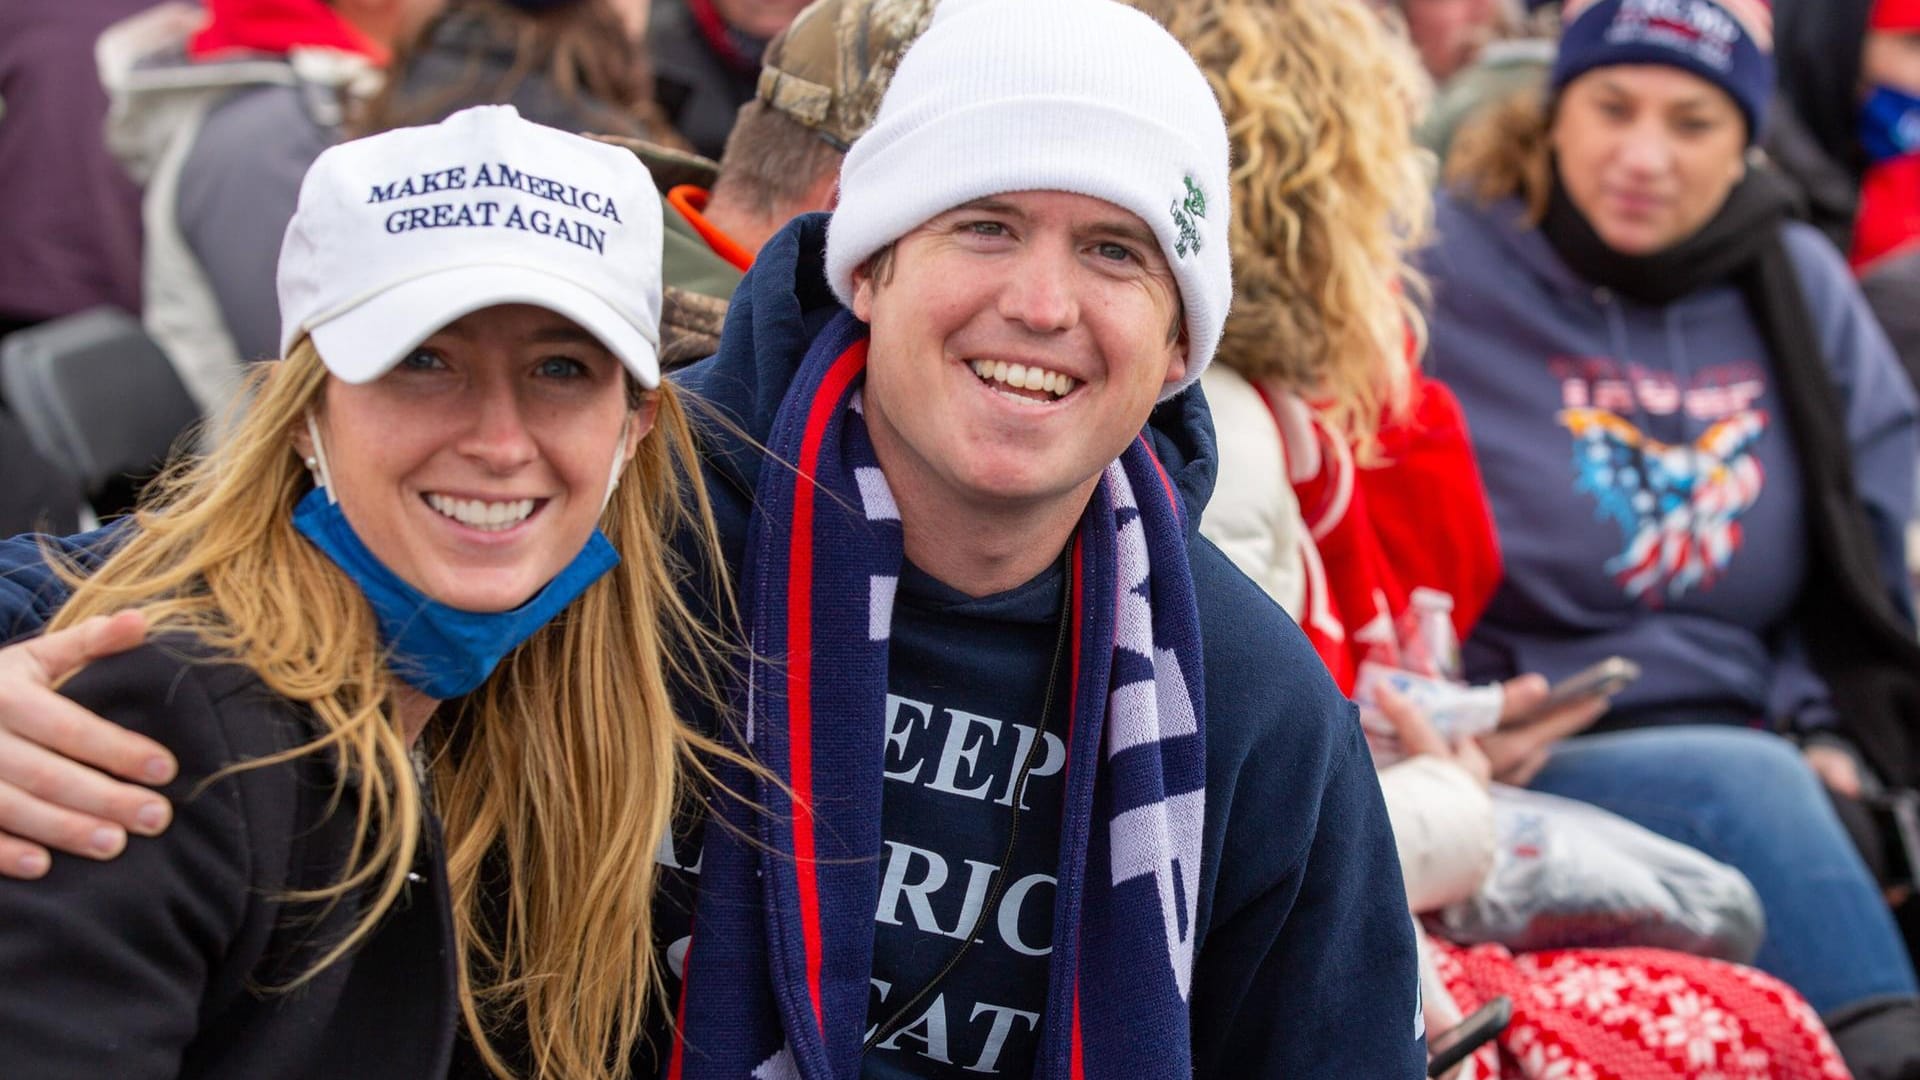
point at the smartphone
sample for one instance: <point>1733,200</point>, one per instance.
<point>1602,680</point>
<point>1452,1046</point>
<point>1896,817</point>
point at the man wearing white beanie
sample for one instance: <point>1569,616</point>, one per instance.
<point>1056,792</point>
<point>992,104</point>
<point>1046,787</point>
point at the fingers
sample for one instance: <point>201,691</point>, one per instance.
<point>1469,756</point>
<point>119,632</point>
<point>1524,693</point>
<point>1569,719</point>
<point>45,718</point>
<point>1417,734</point>
<point>1836,770</point>
<point>36,821</point>
<point>64,652</point>
<point>47,801</point>
<point>1516,755</point>
<point>1523,769</point>
<point>35,775</point>
<point>36,714</point>
<point>1507,750</point>
<point>52,794</point>
<point>19,859</point>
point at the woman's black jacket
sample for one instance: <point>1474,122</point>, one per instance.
<point>168,960</point>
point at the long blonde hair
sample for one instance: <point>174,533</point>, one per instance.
<point>565,769</point>
<point>1330,193</point>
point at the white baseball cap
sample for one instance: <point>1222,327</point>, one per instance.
<point>398,234</point>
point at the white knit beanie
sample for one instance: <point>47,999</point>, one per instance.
<point>1084,96</point>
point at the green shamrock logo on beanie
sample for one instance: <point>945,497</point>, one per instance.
<point>1185,211</point>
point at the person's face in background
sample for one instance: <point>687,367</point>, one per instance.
<point>1449,33</point>
<point>1891,58</point>
<point>1647,153</point>
<point>476,469</point>
<point>759,18</point>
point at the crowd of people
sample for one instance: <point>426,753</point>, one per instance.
<point>922,538</point>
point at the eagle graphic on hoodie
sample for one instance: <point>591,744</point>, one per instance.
<point>1642,470</point>
<point>1678,506</point>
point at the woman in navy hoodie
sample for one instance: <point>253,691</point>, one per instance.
<point>1699,450</point>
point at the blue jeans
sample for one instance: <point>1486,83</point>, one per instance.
<point>1748,799</point>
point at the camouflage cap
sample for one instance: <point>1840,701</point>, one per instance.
<point>829,68</point>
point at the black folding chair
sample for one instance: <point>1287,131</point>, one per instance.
<point>97,398</point>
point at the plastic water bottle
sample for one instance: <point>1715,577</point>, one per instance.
<point>1428,644</point>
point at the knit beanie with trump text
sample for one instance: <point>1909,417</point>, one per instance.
<point>1729,43</point>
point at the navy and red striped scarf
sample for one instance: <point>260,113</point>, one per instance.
<point>776,978</point>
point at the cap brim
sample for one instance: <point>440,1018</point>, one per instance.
<point>366,341</point>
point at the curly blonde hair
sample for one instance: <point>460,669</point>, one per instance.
<point>1330,195</point>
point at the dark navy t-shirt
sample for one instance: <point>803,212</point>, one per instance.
<point>966,681</point>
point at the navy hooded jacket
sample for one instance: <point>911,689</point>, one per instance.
<point>1305,964</point>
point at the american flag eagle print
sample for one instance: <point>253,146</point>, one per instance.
<point>1678,507</point>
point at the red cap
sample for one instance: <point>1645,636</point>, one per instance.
<point>1895,15</point>
<point>277,26</point>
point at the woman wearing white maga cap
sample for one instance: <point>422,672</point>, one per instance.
<point>360,664</point>
<point>405,231</point>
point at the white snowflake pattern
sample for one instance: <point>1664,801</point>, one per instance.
<point>1664,985</point>
<point>1695,1025</point>
<point>1594,988</point>
<point>1803,1018</point>
<point>1540,1059</point>
<point>1614,993</point>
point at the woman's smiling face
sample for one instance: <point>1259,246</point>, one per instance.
<point>476,468</point>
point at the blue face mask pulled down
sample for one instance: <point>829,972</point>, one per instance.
<point>1889,124</point>
<point>441,651</point>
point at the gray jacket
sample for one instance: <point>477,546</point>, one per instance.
<point>220,148</point>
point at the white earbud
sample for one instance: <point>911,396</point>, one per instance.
<point>620,460</point>
<point>317,461</point>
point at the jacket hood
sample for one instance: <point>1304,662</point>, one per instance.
<point>1181,434</point>
<point>784,302</point>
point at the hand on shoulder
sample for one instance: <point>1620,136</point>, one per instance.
<point>58,761</point>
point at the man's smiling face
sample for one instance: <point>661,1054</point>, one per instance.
<point>1019,343</point>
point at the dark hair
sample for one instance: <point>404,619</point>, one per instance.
<point>571,67</point>
<point>772,161</point>
<point>1817,51</point>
